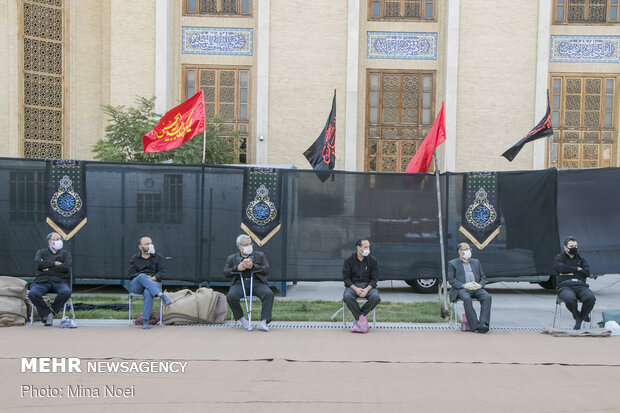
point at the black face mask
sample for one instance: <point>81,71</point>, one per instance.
<point>572,251</point>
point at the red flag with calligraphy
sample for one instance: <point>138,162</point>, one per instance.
<point>435,137</point>
<point>177,126</point>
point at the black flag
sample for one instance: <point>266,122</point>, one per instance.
<point>322,153</point>
<point>540,131</point>
<point>65,196</point>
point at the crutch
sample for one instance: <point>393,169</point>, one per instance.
<point>248,307</point>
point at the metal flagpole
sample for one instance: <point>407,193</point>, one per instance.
<point>204,145</point>
<point>444,309</point>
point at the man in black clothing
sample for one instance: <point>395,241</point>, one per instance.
<point>146,270</point>
<point>53,266</point>
<point>360,274</point>
<point>572,271</point>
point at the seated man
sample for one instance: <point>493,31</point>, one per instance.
<point>53,266</point>
<point>571,284</point>
<point>467,280</point>
<point>360,273</point>
<point>146,270</point>
<point>246,262</point>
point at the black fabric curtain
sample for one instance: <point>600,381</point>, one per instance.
<point>193,214</point>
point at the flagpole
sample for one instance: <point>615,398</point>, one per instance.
<point>443,252</point>
<point>204,145</point>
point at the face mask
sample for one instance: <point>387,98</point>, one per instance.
<point>365,253</point>
<point>247,250</point>
<point>467,254</point>
<point>151,249</point>
<point>57,245</point>
<point>572,251</point>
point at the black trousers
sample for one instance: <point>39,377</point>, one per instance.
<point>259,289</point>
<point>571,294</point>
<point>350,299</point>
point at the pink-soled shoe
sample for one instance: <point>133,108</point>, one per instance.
<point>356,328</point>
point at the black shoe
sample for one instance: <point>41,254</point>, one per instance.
<point>577,324</point>
<point>484,329</point>
<point>49,320</point>
<point>587,318</point>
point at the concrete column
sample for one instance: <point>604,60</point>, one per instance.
<point>542,79</point>
<point>451,82</point>
<point>261,137</point>
<point>353,39</point>
<point>163,55</point>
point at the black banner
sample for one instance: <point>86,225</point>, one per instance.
<point>481,212</point>
<point>65,196</point>
<point>322,153</point>
<point>262,190</point>
<point>542,129</point>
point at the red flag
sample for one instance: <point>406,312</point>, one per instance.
<point>177,126</point>
<point>422,158</point>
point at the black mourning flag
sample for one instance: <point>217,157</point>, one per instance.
<point>540,131</point>
<point>322,153</point>
<point>65,196</point>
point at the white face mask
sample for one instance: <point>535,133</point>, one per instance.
<point>57,245</point>
<point>365,253</point>
<point>467,254</point>
<point>247,250</point>
<point>151,249</point>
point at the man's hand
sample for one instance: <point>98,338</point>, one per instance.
<point>364,292</point>
<point>246,264</point>
<point>579,268</point>
<point>57,262</point>
<point>152,278</point>
<point>471,286</point>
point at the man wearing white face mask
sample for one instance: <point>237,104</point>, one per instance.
<point>246,262</point>
<point>146,270</point>
<point>53,265</point>
<point>467,280</point>
<point>360,274</point>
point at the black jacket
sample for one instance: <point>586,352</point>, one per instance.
<point>154,265</point>
<point>260,264</point>
<point>355,271</point>
<point>47,270</point>
<point>564,264</point>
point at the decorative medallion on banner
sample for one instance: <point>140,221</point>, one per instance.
<point>261,203</point>
<point>481,213</point>
<point>66,195</point>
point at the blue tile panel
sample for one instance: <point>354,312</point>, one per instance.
<point>585,49</point>
<point>217,41</point>
<point>401,45</point>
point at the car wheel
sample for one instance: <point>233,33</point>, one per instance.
<point>425,285</point>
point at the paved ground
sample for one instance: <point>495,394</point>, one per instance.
<point>514,304</point>
<point>309,370</point>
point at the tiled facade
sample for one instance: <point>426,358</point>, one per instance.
<point>491,66</point>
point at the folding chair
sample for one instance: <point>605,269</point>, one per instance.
<point>557,314</point>
<point>134,295</point>
<point>344,319</point>
<point>64,307</point>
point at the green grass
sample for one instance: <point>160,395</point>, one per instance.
<point>283,310</point>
